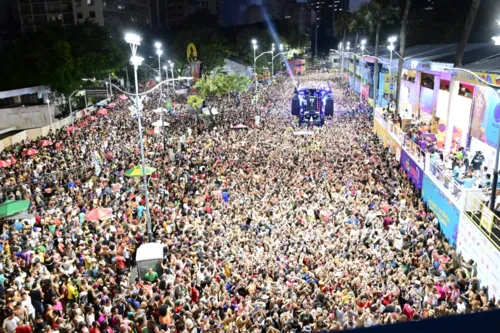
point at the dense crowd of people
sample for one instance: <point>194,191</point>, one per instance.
<point>263,229</point>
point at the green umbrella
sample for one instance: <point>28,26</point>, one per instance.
<point>138,172</point>
<point>11,207</point>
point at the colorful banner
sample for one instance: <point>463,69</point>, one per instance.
<point>394,147</point>
<point>365,90</point>
<point>468,77</point>
<point>381,132</point>
<point>426,101</point>
<point>486,116</point>
<point>414,172</point>
<point>473,244</point>
<point>446,212</point>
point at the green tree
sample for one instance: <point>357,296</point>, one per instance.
<point>195,101</point>
<point>221,84</point>
<point>402,48</point>
<point>61,57</point>
<point>378,13</point>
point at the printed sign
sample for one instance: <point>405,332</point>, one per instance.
<point>414,172</point>
<point>473,244</point>
<point>486,116</point>
<point>446,212</point>
<point>486,218</point>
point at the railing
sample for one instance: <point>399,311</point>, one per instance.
<point>415,152</point>
<point>396,132</point>
<point>487,221</point>
<point>446,179</point>
<point>380,117</point>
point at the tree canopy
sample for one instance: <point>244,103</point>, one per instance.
<point>61,57</point>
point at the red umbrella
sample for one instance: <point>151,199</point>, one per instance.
<point>12,160</point>
<point>4,164</point>
<point>98,214</point>
<point>91,118</point>
<point>123,97</point>
<point>102,112</point>
<point>29,152</point>
<point>72,128</point>
<point>111,106</point>
<point>45,143</point>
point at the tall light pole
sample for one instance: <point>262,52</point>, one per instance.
<point>340,49</point>
<point>254,43</point>
<point>172,68</point>
<point>272,61</point>
<point>362,47</point>
<point>159,52</point>
<point>134,41</point>
<point>391,48</point>
<point>166,73</point>
<point>347,48</point>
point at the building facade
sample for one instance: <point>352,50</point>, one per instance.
<point>117,16</point>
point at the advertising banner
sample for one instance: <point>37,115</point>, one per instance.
<point>394,147</point>
<point>365,91</point>
<point>486,116</point>
<point>473,244</point>
<point>414,172</point>
<point>446,212</point>
<point>381,132</point>
<point>426,102</point>
<point>357,86</point>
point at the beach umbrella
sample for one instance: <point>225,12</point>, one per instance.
<point>138,172</point>
<point>29,152</point>
<point>102,112</point>
<point>45,143</point>
<point>11,207</point>
<point>99,214</point>
<point>4,164</point>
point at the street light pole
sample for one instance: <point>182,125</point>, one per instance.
<point>281,53</point>
<point>159,52</point>
<point>361,65</point>
<point>254,42</point>
<point>110,88</point>
<point>135,41</point>
<point>391,48</point>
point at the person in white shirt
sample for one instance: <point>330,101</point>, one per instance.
<point>10,323</point>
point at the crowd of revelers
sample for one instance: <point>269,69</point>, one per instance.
<point>263,230</point>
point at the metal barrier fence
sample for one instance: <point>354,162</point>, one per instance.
<point>485,219</point>
<point>446,179</point>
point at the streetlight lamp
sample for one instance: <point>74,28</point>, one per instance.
<point>391,48</point>
<point>134,41</point>
<point>172,68</point>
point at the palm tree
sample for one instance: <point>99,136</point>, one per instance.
<point>355,25</point>
<point>378,12</point>
<point>402,47</point>
<point>469,22</point>
<point>341,26</point>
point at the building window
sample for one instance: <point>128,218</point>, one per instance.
<point>78,3</point>
<point>79,16</point>
<point>90,2</point>
<point>91,14</point>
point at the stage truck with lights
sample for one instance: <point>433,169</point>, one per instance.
<point>311,105</point>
